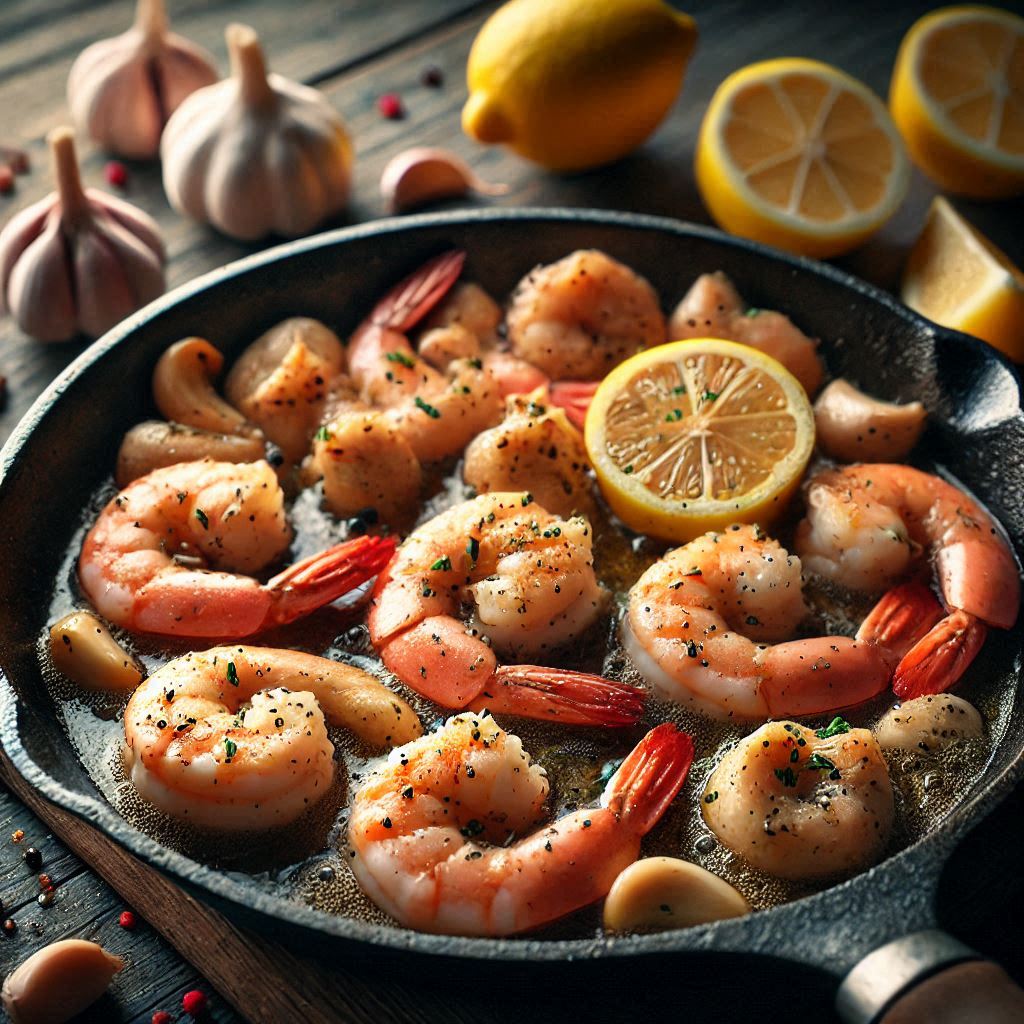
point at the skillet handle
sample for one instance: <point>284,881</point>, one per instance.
<point>928,976</point>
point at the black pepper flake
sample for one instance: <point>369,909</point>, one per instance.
<point>386,823</point>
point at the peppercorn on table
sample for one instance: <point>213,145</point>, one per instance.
<point>396,74</point>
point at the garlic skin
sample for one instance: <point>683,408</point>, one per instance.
<point>121,91</point>
<point>256,154</point>
<point>78,261</point>
<point>424,174</point>
<point>58,981</point>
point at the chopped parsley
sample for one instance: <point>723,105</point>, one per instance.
<point>442,564</point>
<point>836,727</point>
<point>230,747</point>
<point>232,674</point>
<point>786,776</point>
<point>323,434</point>
<point>401,358</point>
<point>434,414</point>
<point>203,518</point>
<point>473,548</point>
<point>710,798</point>
<point>817,761</point>
<point>709,396</point>
<point>674,416</point>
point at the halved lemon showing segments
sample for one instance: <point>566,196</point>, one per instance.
<point>695,435</point>
<point>797,154</point>
<point>957,95</point>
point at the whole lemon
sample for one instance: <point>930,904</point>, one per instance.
<point>572,84</point>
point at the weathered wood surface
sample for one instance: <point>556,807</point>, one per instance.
<point>354,51</point>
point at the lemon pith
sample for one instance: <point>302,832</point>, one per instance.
<point>578,83</point>
<point>694,435</point>
<point>797,154</point>
<point>957,97</point>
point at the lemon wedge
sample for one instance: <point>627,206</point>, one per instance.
<point>958,278</point>
<point>797,154</point>
<point>695,435</point>
<point>957,97</point>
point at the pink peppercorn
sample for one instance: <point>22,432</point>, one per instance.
<point>127,920</point>
<point>161,1017</point>
<point>116,174</point>
<point>193,1003</point>
<point>390,105</point>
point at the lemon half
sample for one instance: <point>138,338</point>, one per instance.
<point>695,435</point>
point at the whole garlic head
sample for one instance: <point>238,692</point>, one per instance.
<point>121,91</point>
<point>78,261</point>
<point>256,154</point>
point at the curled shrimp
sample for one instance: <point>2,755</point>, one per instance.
<point>802,804</point>
<point>433,829</point>
<point>534,446</point>
<point>713,308</point>
<point>870,524</point>
<point>438,412</point>
<point>228,520</point>
<point>496,575</point>
<point>704,624</point>
<point>235,737</point>
<point>582,316</point>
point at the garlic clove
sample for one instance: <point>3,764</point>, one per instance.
<point>256,154</point>
<point>77,261</point>
<point>854,427</point>
<point>83,649</point>
<point>58,981</point>
<point>424,174</point>
<point>122,91</point>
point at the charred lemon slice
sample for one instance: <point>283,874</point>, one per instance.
<point>694,435</point>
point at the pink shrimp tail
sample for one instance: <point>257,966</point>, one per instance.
<point>902,617</point>
<point>416,295</point>
<point>574,396</point>
<point>572,698</point>
<point>937,661</point>
<point>650,777</point>
<point>324,577</point>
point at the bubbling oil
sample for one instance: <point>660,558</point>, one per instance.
<point>308,860</point>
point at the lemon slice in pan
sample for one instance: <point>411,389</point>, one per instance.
<point>694,435</point>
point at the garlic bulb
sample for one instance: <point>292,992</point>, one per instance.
<point>121,91</point>
<point>256,154</point>
<point>78,260</point>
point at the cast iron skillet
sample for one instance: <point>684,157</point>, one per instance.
<point>67,444</point>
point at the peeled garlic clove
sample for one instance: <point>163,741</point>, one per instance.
<point>422,175</point>
<point>122,91</point>
<point>855,427</point>
<point>256,154</point>
<point>929,723</point>
<point>77,261</point>
<point>661,893</point>
<point>183,389</point>
<point>58,982</point>
<point>83,650</point>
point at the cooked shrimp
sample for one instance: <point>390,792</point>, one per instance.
<point>704,625</point>
<point>234,737</point>
<point>281,381</point>
<point>802,804</point>
<point>220,516</point>
<point>437,412</point>
<point>868,525</point>
<point>438,831</point>
<point>582,316</point>
<point>534,446</point>
<point>528,578</point>
<point>465,325</point>
<point>712,308</point>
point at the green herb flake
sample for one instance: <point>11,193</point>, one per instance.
<point>442,564</point>
<point>817,761</point>
<point>232,674</point>
<point>473,548</point>
<point>527,498</point>
<point>786,776</point>
<point>710,798</point>
<point>836,727</point>
<point>709,396</point>
<point>401,358</point>
<point>203,518</point>
<point>752,312</point>
<point>674,416</point>
<point>230,747</point>
<point>434,414</point>
<point>323,434</point>
<point>628,469</point>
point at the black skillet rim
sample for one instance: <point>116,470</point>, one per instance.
<point>916,866</point>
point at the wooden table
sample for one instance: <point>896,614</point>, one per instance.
<point>355,51</point>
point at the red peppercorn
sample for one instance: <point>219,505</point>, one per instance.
<point>161,1017</point>
<point>193,1003</point>
<point>6,179</point>
<point>390,105</point>
<point>127,920</point>
<point>116,174</point>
